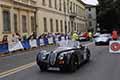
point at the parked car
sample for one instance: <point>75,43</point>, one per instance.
<point>103,39</point>
<point>67,57</point>
<point>84,36</point>
<point>97,34</point>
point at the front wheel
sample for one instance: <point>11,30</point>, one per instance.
<point>43,67</point>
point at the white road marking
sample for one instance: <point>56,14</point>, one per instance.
<point>15,70</point>
<point>18,69</point>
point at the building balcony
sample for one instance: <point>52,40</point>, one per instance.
<point>72,14</point>
<point>26,2</point>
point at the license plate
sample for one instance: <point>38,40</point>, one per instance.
<point>54,68</point>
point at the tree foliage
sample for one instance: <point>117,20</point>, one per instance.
<point>109,14</point>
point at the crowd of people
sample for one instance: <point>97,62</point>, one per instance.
<point>74,36</point>
<point>17,37</point>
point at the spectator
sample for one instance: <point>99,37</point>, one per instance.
<point>90,35</point>
<point>75,37</point>
<point>14,38</point>
<point>25,35</point>
<point>18,36</point>
<point>30,37</point>
<point>5,39</point>
<point>34,35</point>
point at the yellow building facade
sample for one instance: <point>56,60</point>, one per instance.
<point>16,16</point>
<point>42,16</point>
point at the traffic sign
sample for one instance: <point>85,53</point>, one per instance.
<point>114,47</point>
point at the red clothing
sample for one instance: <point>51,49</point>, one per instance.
<point>114,35</point>
<point>85,35</point>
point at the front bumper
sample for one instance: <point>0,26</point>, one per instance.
<point>102,43</point>
<point>58,63</point>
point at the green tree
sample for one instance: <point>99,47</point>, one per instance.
<point>108,14</point>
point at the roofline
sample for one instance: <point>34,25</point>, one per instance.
<point>89,5</point>
<point>81,2</point>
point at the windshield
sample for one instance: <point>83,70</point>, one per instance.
<point>69,43</point>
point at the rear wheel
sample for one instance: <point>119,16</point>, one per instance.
<point>73,64</point>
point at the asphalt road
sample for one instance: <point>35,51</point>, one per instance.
<point>103,66</point>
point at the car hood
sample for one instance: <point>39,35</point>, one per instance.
<point>59,49</point>
<point>52,56</point>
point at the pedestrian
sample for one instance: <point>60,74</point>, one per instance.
<point>114,35</point>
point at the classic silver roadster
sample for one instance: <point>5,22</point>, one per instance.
<point>67,57</point>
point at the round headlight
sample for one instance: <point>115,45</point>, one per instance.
<point>61,57</point>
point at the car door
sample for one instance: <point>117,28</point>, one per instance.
<point>79,54</point>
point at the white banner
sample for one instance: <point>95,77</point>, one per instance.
<point>41,42</point>
<point>33,43</point>
<point>50,40</point>
<point>62,38</point>
<point>56,40</point>
<point>67,37</point>
<point>15,46</point>
<point>114,47</point>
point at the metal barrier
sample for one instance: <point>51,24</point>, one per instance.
<point>27,44</point>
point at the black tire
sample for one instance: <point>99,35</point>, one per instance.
<point>43,67</point>
<point>72,65</point>
<point>97,44</point>
<point>63,69</point>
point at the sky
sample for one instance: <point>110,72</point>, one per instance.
<point>93,2</point>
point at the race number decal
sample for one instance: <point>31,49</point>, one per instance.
<point>114,47</point>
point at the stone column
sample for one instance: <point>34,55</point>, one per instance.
<point>20,22</point>
<point>1,23</point>
<point>28,23</point>
<point>12,19</point>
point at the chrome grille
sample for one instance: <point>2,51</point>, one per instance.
<point>52,58</point>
